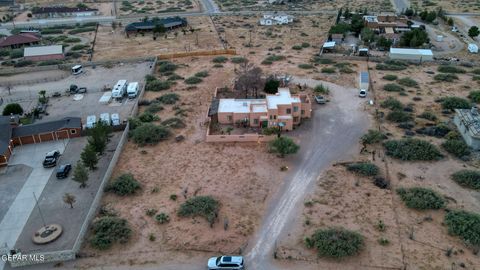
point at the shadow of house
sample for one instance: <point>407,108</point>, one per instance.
<point>148,26</point>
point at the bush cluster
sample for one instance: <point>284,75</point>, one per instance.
<point>392,104</point>
<point>412,150</point>
<point>464,224</point>
<point>399,116</point>
<point>174,122</point>
<point>428,115</point>
<point>109,230</point>
<point>390,77</point>
<point>450,69</point>
<point>408,82</point>
<point>204,206</point>
<point>328,70</point>
<point>392,87</point>
<point>467,178</point>
<point>445,77</point>
<point>148,133</point>
<point>474,96</point>
<point>457,147</point>
<point>363,168</point>
<point>220,59</point>
<point>123,185</point>
<point>157,85</point>
<point>373,136</point>
<point>321,89</point>
<point>162,218</point>
<point>421,198</point>
<point>450,103</point>
<point>170,98</point>
<point>335,242</point>
<point>193,80</point>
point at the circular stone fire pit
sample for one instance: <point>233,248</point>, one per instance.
<point>47,234</point>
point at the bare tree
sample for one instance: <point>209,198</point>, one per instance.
<point>69,199</point>
<point>250,79</point>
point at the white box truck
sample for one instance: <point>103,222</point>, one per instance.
<point>132,90</point>
<point>120,89</point>
<point>91,120</point>
<point>115,119</point>
<point>105,118</point>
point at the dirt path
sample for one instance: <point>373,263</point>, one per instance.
<point>330,136</point>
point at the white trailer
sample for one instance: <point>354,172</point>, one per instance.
<point>105,118</point>
<point>132,90</point>
<point>115,119</point>
<point>120,89</point>
<point>91,120</point>
<point>364,81</point>
<point>78,69</point>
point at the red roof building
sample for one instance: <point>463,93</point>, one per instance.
<point>20,40</point>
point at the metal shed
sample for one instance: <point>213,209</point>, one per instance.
<point>411,54</point>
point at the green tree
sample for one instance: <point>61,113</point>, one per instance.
<point>42,97</point>
<point>368,35</point>
<point>283,146</point>
<point>414,38</point>
<point>12,108</point>
<point>89,157</point>
<point>271,86</point>
<point>450,21</point>
<point>384,43</point>
<point>69,199</point>
<point>80,174</point>
<point>98,136</point>
<point>473,31</point>
<point>431,16</point>
<point>159,29</point>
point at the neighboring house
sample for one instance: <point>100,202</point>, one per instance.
<point>43,53</point>
<point>338,38</point>
<point>62,11</point>
<point>468,124</point>
<point>12,135</point>
<point>420,55</point>
<point>19,40</point>
<point>146,26</point>
<point>282,109</point>
<point>383,21</point>
<point>276,19</point>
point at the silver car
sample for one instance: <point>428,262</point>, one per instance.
<point>225,262</point>
<point>363,93</point>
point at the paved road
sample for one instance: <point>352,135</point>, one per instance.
<point>331,135</point>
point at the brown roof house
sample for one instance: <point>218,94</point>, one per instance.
<point>12,135</point>
<point>62,11</point>
<point>20,40</point>
<point>43,53</point>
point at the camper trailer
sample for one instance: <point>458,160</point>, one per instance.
<point>120,89</point>
<point>132,90</point>
<point>105,118</point>
<point>115,119</point>
<point>78,69</point>
<point>91,120</point>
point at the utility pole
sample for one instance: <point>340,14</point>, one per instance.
<point>39,210</point>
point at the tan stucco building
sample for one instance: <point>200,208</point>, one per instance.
<point>282,109</point>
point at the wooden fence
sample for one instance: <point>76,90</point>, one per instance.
<point>197,53</point>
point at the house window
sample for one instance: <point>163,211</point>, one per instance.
<point>229,118</point>
<point>73,131</point>
<point>289,111</point>
<point>303,112</point>
<point>295,108</point>
<point>274,117</point>
<point>295,119</point>
<point>271,117</point>
<point>255,121</point>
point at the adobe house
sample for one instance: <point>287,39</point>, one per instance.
<point>20,40</point>
<point>66,128</point>
<point>62,11</point>
<point>282,109</point>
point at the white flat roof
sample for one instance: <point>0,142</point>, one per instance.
<point>283,97</point>
<point>231,105</point>
<point>329,44</point>
<point>411,51</point>
<point>43,50</point>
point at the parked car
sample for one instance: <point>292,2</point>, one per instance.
<point>63,171</point>
<point>363,93</point>
<point>226,262</point>
<point>51,159</point>
<point>74,89</point>
<point>320,99</point>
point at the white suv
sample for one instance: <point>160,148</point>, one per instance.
<point>226,262</point>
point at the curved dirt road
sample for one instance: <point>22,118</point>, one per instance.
<point>332,134</point>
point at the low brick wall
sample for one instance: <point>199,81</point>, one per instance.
<point>239,138</point>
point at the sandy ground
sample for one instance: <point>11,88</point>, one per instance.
<point>447,5</point>
<point>158,6</point>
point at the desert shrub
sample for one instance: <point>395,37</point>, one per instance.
<point>296,47</point>
<point>50,63</point>
<point>154,108</point>
<point>363,168</point>
<point>148,133</point>
<point>305,66</point>
<point>474,96</point>
<point>72,40</point>
<point>464,224</point>
<point>16,53</point>
<point>392,87</point>
<point>450,69</point>
<point>174,122</point>
<point>51,31</point>
<point>412,149</point>
<point>270,130</point>
<point>305,45</point>
<point>328,70</point>
<point>399,117</point>
<point>193,80</point>
<point>428,115</point>
<point>175,77</point>
<point>23,63</point>
<point>408,82</point>
<point>421,198</point>
<point>79,30</point>
<point>12,108</point>
<point>220,59</point>
<point>204,206</point>
<point>438,131</point>
<point>476,71</point>
<point>445,77</point>
<point>390,77</point>
<point>458,148</point>
<point>151,212</point>
<point>450,103</point>
<point>170,98</point>
<point>109,230</point>
<point>202,74</point>
<point>148,117</point>
<point>238,60</point>
<point>166,66</point>
<point>157,85</point>
<point>78,47</point>
<point>467,178</point>
<point>218,66</point>
<point>283,146</point>
<point>321,89</point>
<point>346,70</point>
<point>162,218</point>
<point>392,104</point>
<point>123,185</point>
<point>335,242</point>
<point>392,65</point>
<point>373,136</point>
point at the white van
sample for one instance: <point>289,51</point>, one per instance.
<point>91,120</point>
<point>132,90</point>
<point>78,69</point>
<point>119,90</point>
<point>115,119</point>
<point>105,118</point>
